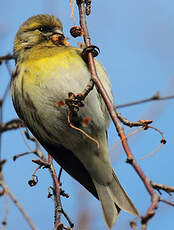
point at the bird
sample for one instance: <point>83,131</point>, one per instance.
<point>47,70</point>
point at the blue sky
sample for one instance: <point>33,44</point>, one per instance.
<point>137,50</point>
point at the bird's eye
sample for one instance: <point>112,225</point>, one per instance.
<point>44,29</point>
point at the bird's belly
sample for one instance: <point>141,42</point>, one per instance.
<point>48,119</point>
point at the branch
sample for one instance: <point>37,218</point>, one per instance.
<point>167,202</point>
<point>19,206</point>
<point>6,58</point>
<point>10,125</point>
<point>114,116</point>
<point>155,97</point>
<point>143,123</point>
<point>57,201</point>
<point>163,187</point>
<point>4,222</point>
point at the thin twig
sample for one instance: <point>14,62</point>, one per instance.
<point>15,157</point>
<point>67,217</point>
<point>18,205</point>
<point>167,202</point>
<point>10,125</point>
<point>4,222</point>
<point>57,200</point>
<point>94,76</point>
<point>131,123</point>
<point>155,97</point>
<point>59,175</point>
<point>151,211</point>
<point>166,188</point>
<point>113,112</point>
<point>6,58</point>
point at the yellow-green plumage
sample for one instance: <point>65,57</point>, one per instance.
<point>45,73</point>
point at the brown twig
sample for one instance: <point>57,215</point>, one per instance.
<point>56,192</point>
<point>4,222</point>
<point>59,175</point>
<point>81,130</point>
<point>151,210</point>
<point>10,125</point>
<point>57,201</point>
<point>37,151</point>
<point>167,202</point>
<point>2,100</point>
<point>67,218</point>
<point>15,157</point>
<point>6,58</point>
<point>155,97</point>
<point>133,124</point>
<point>18,205</point>
<point>94,76</point>
<point>113,114</point>
<point>41,163</point>
<point>158,187</point>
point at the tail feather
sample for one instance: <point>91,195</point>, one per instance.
<point>120,197</point>
<point>110,212</point>
<point>113,198</point>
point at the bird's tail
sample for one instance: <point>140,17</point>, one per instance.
<point>113,198</point>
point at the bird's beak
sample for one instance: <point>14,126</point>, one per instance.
<point>58,38</point>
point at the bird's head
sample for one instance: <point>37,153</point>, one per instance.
<point>37,30</point>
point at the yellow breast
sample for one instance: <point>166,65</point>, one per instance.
<point>41,64</point>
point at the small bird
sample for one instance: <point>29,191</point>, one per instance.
<point>47,70</point>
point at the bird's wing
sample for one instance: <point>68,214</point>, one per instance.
<point>72,165</point>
